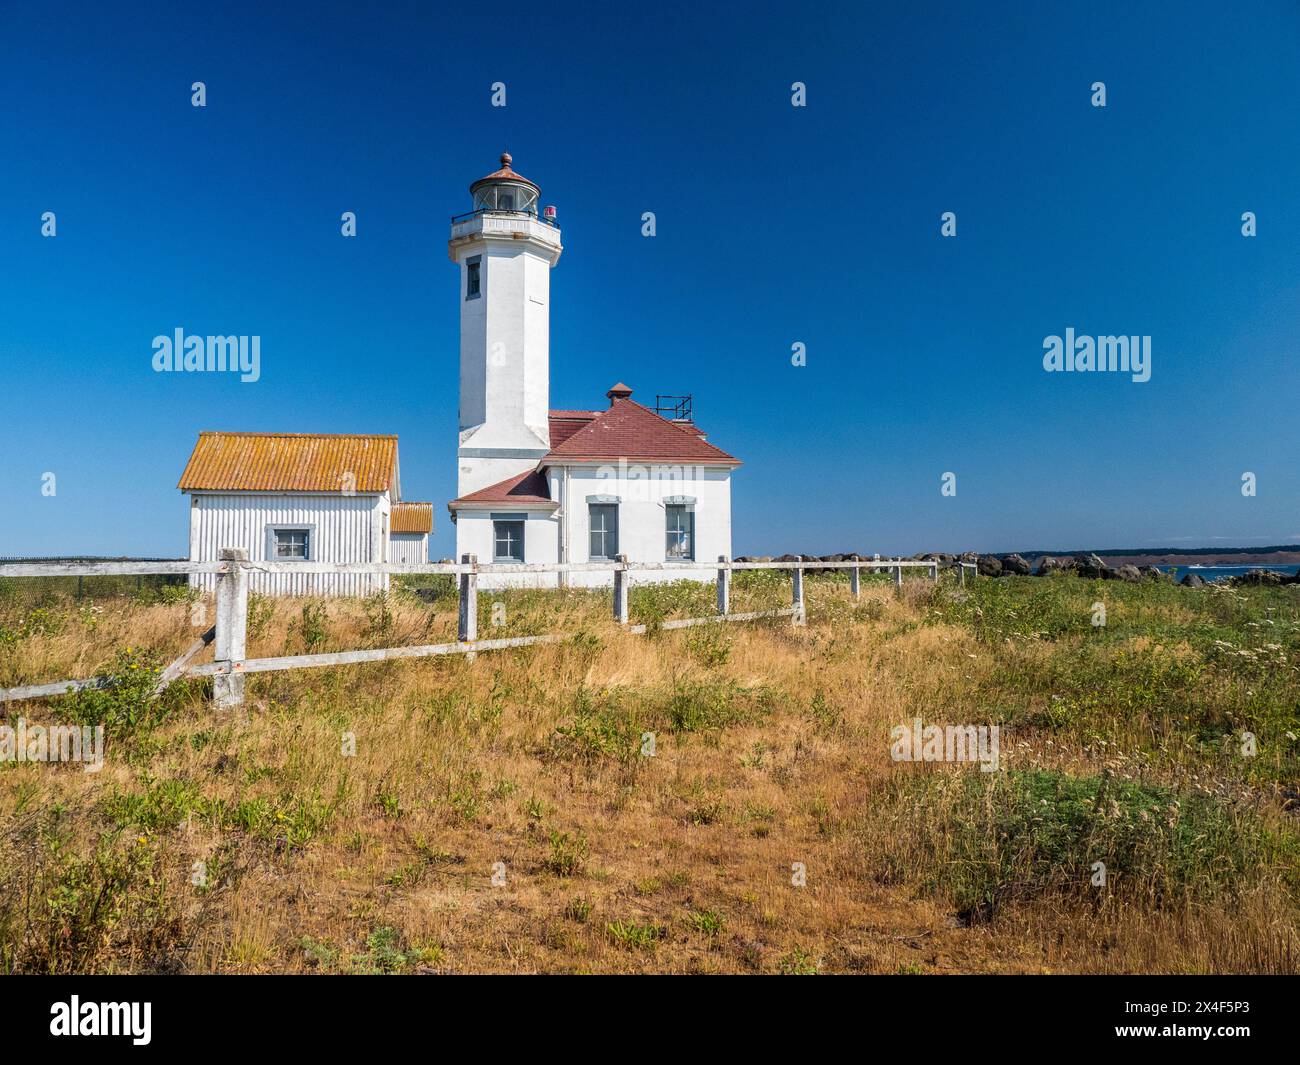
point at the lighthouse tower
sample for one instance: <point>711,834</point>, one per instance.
<point>505,253</point>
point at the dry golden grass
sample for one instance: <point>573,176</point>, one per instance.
<point>475,830</point>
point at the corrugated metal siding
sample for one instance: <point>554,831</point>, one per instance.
<point>408,548</point>
<point>347,528</point>
<point>290,462</point>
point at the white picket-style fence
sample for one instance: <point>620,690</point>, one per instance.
<point>229,634</point>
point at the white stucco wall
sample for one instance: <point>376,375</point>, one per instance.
<point>642,524</point>
<point>345,529</point>
<point>642,519</point>
<point>474,536</point>
<point>504,347</point>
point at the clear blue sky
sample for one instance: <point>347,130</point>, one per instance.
<point>775,224</point>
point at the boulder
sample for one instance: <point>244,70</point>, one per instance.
<point>989,566</point>
<point>1191,580</point>
<point>1092,566</point>
<point>1129,573</point>
<point>1017,565</point>
<point>1259,577</point>
<point>1047,564</point>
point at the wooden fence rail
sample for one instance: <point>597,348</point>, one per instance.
<point>229,635</point>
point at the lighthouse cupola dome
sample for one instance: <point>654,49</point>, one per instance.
<point>505,191</point>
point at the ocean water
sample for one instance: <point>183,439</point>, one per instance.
<point>1209,573</point>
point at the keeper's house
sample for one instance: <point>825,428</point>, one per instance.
<point>304,497</point>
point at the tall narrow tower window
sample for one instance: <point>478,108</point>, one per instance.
<point>473,283</point>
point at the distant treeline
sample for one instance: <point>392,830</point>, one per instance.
<point>1168,551</point>
<point>85,558</point>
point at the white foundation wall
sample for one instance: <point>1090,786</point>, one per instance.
<point>345,529</point>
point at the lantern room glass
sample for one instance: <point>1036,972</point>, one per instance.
<point>506,196</point>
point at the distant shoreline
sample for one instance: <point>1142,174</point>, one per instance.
<point>1288,555</point>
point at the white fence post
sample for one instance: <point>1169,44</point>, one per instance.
<point>796,593</point>
<point>855,580</point>
<point>724,587</point>
<point>467,619</point>
<point>934,572</point>
<point>898,576</point>
<point>231,640</point>
<point>620,590</point>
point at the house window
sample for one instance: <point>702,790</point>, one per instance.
<point>473,288</point>
<point>681,532</point>
<point>291,543</point>
<point>508,540</point>
<point>602,525</point>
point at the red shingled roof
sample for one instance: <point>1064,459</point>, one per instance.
<point>564,423</point>
<point>527,487</point>
<point>630,431</point>
<point>626,430</point>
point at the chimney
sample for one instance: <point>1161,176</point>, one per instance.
<point>619,391</point>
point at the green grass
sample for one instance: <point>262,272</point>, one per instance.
<point>612,724</point>
<point>989,840</point>
<point>1186,671</point>
<point>52,591</point>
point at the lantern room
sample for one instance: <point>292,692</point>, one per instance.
<point>504,191</point>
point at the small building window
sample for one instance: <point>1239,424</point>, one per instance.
<point>602,526</point>
<point>291,544</point>
<point>508,540</point>
<point>681,532</point>
<point>473,284</point>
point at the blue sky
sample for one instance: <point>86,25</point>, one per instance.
<point>775,224</point>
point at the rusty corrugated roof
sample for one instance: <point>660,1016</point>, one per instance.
<point>412,517</point>
<point>291,462</point>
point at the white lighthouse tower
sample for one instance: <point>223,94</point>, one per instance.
<point>505,253</point>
